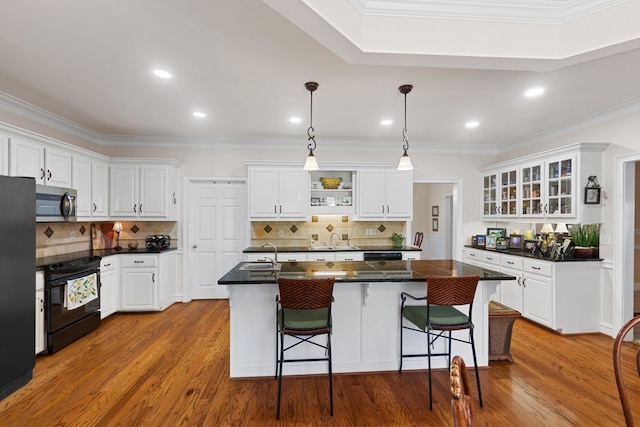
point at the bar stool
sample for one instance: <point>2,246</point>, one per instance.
<point>439,316</point>
<point>303,311</point>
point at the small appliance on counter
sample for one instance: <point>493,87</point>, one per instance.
<point>158,242</point>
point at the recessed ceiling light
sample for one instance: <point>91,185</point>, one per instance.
<point>386,122</point>
<point>199,114</point>
<point>534,91</point>
<point>295,120</point>
<point>472,124</point>
<point>162,73</point>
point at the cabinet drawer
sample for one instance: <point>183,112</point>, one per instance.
<point>107,264</point>
<point>473,255</point>
<point>538,267</point>
<point>491,258</point>
<point>511,262</point>
<point>140,261</point>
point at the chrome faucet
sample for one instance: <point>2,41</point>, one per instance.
<point>331,238</point>
<point>275,252</point>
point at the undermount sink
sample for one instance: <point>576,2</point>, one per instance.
<point>260,266</point>
<point>333,248</point>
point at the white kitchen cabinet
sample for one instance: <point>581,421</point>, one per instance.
<point>47,165</point>
<point>327,201</point>
<point>473,256</point>
<point>4,155</point>
<point>538,295</point>
<point>510,293</point>
<point>282,256</point>
<point>349,256</point>
<point>385,194</point>
<point>321,256</point>
<point>143,189</point>
<point>148,281</point>
<point>109,286</point>
<point>411,255</point>
<point>41,336</point>
<point>548,186</point>
<point>278,193</point>
<point>91,181</point>
<point>500,193</point>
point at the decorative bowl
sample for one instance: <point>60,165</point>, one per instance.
<point>133,244</point>
<point>330,183</point>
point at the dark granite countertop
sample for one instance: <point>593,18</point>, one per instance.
<point>337,248</point>
<point>528,254</point>
<point>362,271</point>
<point>55,259</point>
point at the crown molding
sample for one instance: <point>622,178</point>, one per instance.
<point>521,11</point>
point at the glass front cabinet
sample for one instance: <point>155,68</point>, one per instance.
<point>546,186</point>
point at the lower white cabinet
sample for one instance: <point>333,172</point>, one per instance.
<point>41,343</point>
<point>410,255</point>
<point>109,286</point>
<point>148,281</point>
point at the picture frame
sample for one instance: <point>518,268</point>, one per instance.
<point>498,232</point>
<point>491,242</point>
<point>474,241</point>
<point>434,224</point>
<point>516,242</point>
<point>482,240</point>
<point>435,210</point>
<point>502,244</point>
<point>530,245</point>
<point>592,195</point>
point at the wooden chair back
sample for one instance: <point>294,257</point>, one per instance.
<point>445,290</point>
<point>617,368</point>
<point>306,294</point>
<point>461,402</point>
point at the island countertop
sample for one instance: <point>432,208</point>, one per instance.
<point>361,271</point>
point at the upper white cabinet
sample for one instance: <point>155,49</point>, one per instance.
<point>545,186</point>
<point>278,193</point>
<point>332,201</point>
<point>143,189</point>
<point>91,180</point>
<point>385,194</point>
<point>48,165</point>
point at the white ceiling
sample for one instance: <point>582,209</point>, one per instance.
<point>245,62</point>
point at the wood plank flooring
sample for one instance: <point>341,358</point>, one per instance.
<point>172,368</point>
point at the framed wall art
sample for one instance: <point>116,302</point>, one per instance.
<point>435,210</point>
<point>592,195</point>
<point>434,224</point>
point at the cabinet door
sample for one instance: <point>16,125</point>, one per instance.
<point>263,193</point>
<point>372,197</point>
<point>399,194</point>
<point>124,191</point>
<point>153,194</point>
<point>532,191</point>
<point>490,194</point>
<point>537,299</point>
<point>508,192</point>
<point>41,341</point>
<point>58,167</point>
<point>107,294</point>
<point>26,159</point>
<point>99,189</point>
<point>138,289</point>
<point>511,290</point>
<point>81,177</point>
<point>292,193</point>
<point>561,188</point>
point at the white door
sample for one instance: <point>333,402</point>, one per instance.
<point>217,227</point>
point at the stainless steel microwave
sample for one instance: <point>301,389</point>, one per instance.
<point>55,204</point>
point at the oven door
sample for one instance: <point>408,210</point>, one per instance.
<point>59,310</point>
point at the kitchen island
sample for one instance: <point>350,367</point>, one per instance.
<point>365,315</point>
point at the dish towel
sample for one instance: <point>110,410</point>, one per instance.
<point>80,291</point>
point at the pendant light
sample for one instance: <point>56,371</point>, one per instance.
<point>405,160</point>
<point>311,164</point>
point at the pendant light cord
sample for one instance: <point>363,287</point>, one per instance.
<point>405,140</point>
<point>310,130</point>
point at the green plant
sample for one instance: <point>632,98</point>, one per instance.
<point>587,235</point>
<point>397,239</point>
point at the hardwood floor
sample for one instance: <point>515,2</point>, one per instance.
<point>171,369</point>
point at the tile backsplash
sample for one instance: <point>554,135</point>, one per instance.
<point>56,238</point>
<point>320,229</point>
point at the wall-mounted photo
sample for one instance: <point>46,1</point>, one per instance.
<point>434,224</point>
<point>435,210</point>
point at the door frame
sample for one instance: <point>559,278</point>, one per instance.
<point>188,181</point>
<point>624,239</point>
<point>457,239</point>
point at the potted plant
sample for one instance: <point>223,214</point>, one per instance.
<point>397,239</point>
<point>586,239</point>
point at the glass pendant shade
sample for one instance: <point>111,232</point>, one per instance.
<point>311,164</point>
<point>405,163</point>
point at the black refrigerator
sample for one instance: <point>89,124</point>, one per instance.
<point>17,282</point>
